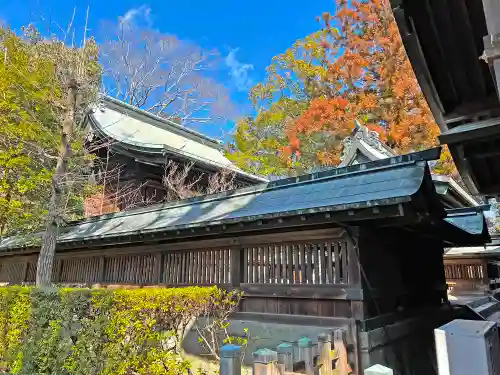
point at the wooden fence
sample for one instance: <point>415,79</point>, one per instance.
<point>464,271</point>
<point>308,262</point>
<point>276,271</point>
<point>328,356</point>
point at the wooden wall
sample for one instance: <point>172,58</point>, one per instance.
<point>404,270</point>
<point>277,272</point>
<point>469,274</point>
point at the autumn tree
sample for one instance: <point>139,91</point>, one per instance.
<point>368,78</point>
<point>259,141</point>
<point>355,68</point>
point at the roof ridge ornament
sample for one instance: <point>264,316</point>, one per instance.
<point>363,133</point>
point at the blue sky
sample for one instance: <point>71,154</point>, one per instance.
<point>246,33</point>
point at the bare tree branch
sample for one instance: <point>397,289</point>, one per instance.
<point>183,182</point>
<point>164,75</point>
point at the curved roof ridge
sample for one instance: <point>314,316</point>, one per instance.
<point>166,123</point>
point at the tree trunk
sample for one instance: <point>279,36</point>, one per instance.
<point>48,248</point>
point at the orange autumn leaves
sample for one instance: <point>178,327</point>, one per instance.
<point>354,68</point>
<point>367,77</point>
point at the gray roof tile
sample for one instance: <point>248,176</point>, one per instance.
<point>334,192</point>
<point>142,130</point>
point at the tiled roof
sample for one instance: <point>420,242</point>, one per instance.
<point>145,132</point>
<point>365,144</point>
<point>381,183</point>
<point>337,192</point>
<point>474,250</point>
<point>471,220</point>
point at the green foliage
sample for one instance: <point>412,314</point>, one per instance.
<point>258,142</point>
<point>34,74</point>
<point>28,128</point>
<point>294,78</point>
<point>94,331</point>
<point>15,312</point>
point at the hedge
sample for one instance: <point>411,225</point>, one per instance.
<point>96,331</point>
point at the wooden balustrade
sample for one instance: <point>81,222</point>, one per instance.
<point>319,262</point>
<point>316,262</point>
<point>461,271</point>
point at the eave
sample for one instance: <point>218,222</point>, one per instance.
<point>475,148</point>
<point>395,191</point>
<point>454,49</point>
<point>156,155</point>
<point>444,42</point>
<point>471,222</point>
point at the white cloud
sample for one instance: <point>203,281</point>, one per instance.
<point>238,71</point>
<point>133,13</point>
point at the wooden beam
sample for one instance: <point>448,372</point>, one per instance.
<point>327,291</point>
<point>431,53</point>
<point>492,16</point>
<point>469,54</point>
<point>299,320</point>
<point>237,264</point>
<point>420,68</point>
<point>159,267</point>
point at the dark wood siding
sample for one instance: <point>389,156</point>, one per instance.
<point>277,272</point>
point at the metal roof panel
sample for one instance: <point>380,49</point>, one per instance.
<point>140,130</point>
<point>372,187</point>
<point>472,223</point>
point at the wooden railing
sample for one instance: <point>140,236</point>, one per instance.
<point>323,263</point>
<point>460,271</point>
<point>198,267</point>
<point>327,356</point>
<point>319,262</point>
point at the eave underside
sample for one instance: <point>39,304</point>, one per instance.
<point>476,151</point>
<point>452,46</point>
<point>444,41</point>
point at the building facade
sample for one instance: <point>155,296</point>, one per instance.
<point>359,248</point>
<point>134,149</point>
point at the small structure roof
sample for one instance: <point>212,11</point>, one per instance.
<point>471,220</point>
<point>472,251</point>
<point>387,189</point>
<point>364,145</point>
<point>141,133</point>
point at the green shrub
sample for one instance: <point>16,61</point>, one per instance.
<point>96,331</point>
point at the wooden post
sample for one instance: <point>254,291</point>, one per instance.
<point>378,370</point>
<point>325,354</point>
<point>101,273</point>
<point>25,271</point>
<point>158,270</point>
<point>265,362</point>
<point>59,264</point>
<point>285,357</point>
<point>236,265</point>
<point>306,353</point>
<point>230,360</point>
<point>341,352</point>
<point>354,272</point>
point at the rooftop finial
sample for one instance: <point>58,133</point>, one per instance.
<point>357,127</point>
